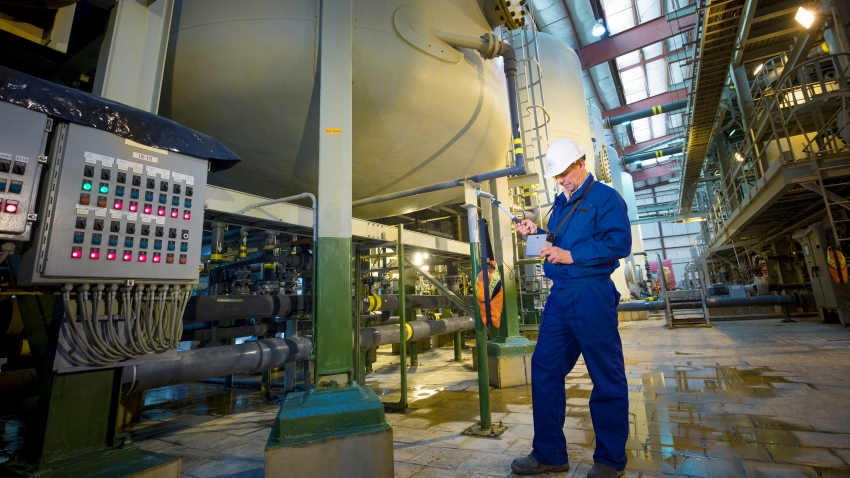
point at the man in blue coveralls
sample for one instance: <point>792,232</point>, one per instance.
<point>589,232</point>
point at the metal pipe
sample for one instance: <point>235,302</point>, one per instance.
<point>489,47</point>
<point>232,332</point>
<point>711,303</point>
<point>412,301</point>
<point>659,153</point>
<point>215,308</point>
<point>288,199</point>
<point>612,121</point>
<point>198,364</point>
<point>417,329</point>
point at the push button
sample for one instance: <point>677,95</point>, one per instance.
<point>113,241</point>
<point>2,185</point>
<point>98,224</point>
<point>128,242</point>
<point>175,201</point>
<point>157,244</point>
<point>85,199</point>
<point>148,196</point>
<point>16,187</point>
<point>143,243</point>
<point>170,245</point>
<point>79,237</point>
<point>11,207</point>
<point>96,239</point>
<point>163,198</point>
<point>5,164</point>
<point>184,247</point>
<point>119,190</point>
<point>134,193</point>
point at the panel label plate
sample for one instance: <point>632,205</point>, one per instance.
<point>145,157</point>
<point>124,165</point>
<point>93,158</point>
<point>154,172</point>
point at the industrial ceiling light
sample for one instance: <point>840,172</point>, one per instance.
<point>758,69</point>
<point>739,157</point>
<point>805,17</point>
<point>599,28</point>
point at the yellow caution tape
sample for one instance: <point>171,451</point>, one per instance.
<point>216,257</point>
<point>824,48</point>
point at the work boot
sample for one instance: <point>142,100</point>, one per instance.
<point>530,466</point>
<point>603,471</point>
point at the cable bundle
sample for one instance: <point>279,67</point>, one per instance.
<point>153,321</point>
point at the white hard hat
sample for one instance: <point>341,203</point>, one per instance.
<point>561,155</point>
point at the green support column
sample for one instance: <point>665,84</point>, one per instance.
<point>321,431</point>
<point>508,352</point>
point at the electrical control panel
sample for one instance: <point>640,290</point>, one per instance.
<point>114,210</point>
<point>23,138</point>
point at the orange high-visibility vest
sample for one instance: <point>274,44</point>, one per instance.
<point>837,265</point>
<point>497,295</point>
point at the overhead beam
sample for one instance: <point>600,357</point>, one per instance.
<point>773,31</point>
<point>766,52</point>
<point>632,39</point>
<point>656,100</point>
<point>775,11</point>
<point>668,55</point>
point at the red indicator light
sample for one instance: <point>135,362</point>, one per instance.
<point>161,211</point>
<point>170,259</point>
<point>11,208</point>
<point>157,259</point>
<point>101,202</point>
<point>128,256</point>
<point>134,207</point>
<point>187,215</point>
<point>110,256</point>
<point>148,209</point>
<point>182,260</point>
<point>118,205</point>
<point>142,258</point>
<point>174,213</point>
<point>76,253</point>
<point>94,255</point>
<point>84,199</point>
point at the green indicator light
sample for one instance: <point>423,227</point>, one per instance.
<point>86,186</point>
<point>104,189</point>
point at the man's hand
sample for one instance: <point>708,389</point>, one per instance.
<point>556,255</point>
<point>526,227</point>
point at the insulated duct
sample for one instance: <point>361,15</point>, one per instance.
<point>712,303</point>
<point>659,153</point>
<point>646,113</point>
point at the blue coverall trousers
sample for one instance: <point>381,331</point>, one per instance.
<point>580,318</point>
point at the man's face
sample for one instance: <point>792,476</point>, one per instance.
<point>571,179</point>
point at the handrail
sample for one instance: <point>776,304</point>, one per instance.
<point>784,100</point>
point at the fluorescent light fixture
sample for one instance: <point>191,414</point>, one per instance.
<point>733,132</point>
<point>758,69</point>
<point>803,16</point>
<point>739,157</point>
<point>599,28</point>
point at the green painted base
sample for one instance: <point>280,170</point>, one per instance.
<point>314,416</point>
<point>510,346</point>
<point>109,463</point>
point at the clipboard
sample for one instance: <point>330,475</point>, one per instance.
<point>533,244</point>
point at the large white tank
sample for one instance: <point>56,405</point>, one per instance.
<point>245,73</point>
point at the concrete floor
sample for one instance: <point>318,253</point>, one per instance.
<point>755,398</point>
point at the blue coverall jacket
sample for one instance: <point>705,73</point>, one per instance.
<point>580,317</point>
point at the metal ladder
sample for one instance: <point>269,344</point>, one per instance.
<point>533,117</point>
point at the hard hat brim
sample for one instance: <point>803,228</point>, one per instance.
<point>552,175</point>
